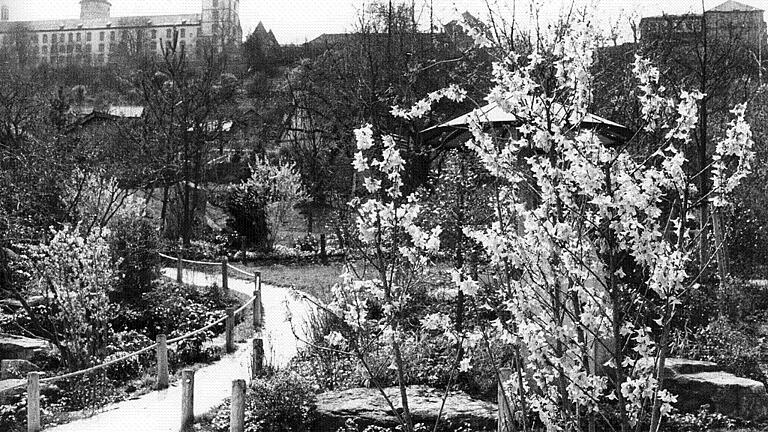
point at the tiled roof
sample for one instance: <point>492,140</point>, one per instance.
<point>733,6</point>
<point>114,22</point>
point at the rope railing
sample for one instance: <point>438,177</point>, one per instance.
<point>241,270</point>
<point>34,378</point>
<point>196,332</point>
<point>99,367</point>
<point>187,260</point>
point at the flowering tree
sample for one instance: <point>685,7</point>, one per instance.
<point>263,203</point>
<point>589,251</point>
<point>76,274</point>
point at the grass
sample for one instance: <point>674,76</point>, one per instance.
<point>314,279</point>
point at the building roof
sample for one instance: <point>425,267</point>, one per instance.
<point>113,22</point>
<point>734,6</point>
<point>495,115</point>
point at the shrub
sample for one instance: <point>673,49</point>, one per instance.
<point>308,243</point>
<point>134,245</point>
<point>126,343</point>
<point>175,310</point>
<point>263,203</point>
<point>703,420</point>
<point>284,402</point>
<point>79,271</point>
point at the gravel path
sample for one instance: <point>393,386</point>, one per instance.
<point>160,411</point>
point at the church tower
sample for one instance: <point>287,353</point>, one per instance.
<point>5,12</point>
<point>221,21</point>
<point>95,10</point>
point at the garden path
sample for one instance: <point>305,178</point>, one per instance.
<point>160,411</point>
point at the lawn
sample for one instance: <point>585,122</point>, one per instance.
<point>314,279</point>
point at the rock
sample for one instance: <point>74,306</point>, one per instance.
<point>16,368</point>
<point>676,366</point>
<point>724,392</point>
<point>20,347</point>
<point>13,388</point>
<point>697,383</point>
<point>368,407</point>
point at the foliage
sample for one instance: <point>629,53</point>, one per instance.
<point>134,246</point>
<point>174,310</point>
<point>94,198</point>
<point>261,205</point>
<point>351,426</point>
<point>13,415</point>
<point>76,275</point>
<point>589,247</point>
<point>703,420</point>
<point>284,402</point>
<point>734,347</point>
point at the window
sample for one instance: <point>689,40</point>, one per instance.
<point>101,36</point>
<point>215,3</point>
<point>168,34</point>
<point>215,15</point>
<point>79,37</point>
<point>154,34</point>
<point>45,38</point>
<point>100,58</point>
<point>112,36</point>
<point>88,48</point>
<point>45,49</point>
<point>70,48</point>
<point>61,38</point>
<point>4,14</point>
<point>71,37</point>
<point>183,33</point>
<point>153,45</point>
<point>101,47</point>
<point>183,46</point>
<point>61,49</point>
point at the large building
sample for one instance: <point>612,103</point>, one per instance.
<point>97,37</point>
<point>731,21</point>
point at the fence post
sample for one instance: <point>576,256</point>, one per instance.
<point>258,314</point>
<point>187,398</point>
<point>505,413</point>
<point>225,275</point>
<point>237,408</point>
<point>230,324</point>
<point>257,359</point>
<point>180,264</point>
<point>33,402</point>
<point>323,253</point>
<point>162,362</point>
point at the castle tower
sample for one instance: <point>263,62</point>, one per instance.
<point>94,10</point>
<point>5,12</point>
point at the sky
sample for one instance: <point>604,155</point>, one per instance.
<point>297,21</point>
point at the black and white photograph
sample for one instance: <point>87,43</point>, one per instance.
<point>383,216</point>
